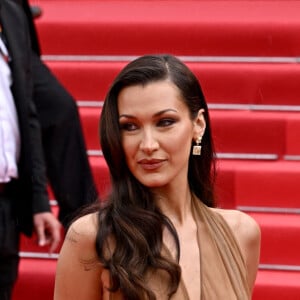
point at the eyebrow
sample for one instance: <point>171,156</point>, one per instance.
<point>161,112</point>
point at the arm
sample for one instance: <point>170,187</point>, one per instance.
<point>32,170</point>
<point>46,225</point>
<point>78,274</point>
<point>249,236</point>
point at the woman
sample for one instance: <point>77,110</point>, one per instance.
<point>158,235</point>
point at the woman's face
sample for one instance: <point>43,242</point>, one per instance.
<point>157,133</point>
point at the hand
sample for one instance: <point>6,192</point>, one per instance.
<point>48,231</point>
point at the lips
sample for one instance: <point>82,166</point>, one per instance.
<point>151,164</point>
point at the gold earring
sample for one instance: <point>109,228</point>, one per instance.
<point>197,147</point>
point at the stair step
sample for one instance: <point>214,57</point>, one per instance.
<point>214,28</point>
<point>280,242</point>
<point>90,117</point>
<point>36,279</point>
<point>229,83</point>
<point>277,285</point>
<point>259,183</point>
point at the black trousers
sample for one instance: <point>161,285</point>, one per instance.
<point>66,159</point>
<point>9,247</point>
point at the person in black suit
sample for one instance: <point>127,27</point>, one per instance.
<point>67,163</point>
<point>24,203</point>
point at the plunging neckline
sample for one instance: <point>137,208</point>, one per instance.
<point>223,271</point>
<point>182,284</point>
<point>196,220</point>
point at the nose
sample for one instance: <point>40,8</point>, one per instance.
<point>148,142</point>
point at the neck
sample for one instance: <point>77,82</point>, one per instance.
<point>176,204</point>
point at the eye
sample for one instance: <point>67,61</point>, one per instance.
<point>165,122</point>
<point>128,126</point>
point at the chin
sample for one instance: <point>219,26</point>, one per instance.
<point>154,184</point>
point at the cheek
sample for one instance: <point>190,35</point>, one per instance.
<point>184,137</point>
<point>130,147</point>
<point>179,145</point>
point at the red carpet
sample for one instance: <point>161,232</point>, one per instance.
<point>219,28</point>
<point>227,83</point>
<point>246,54</point>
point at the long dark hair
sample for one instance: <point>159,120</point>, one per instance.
<point>129,240</point>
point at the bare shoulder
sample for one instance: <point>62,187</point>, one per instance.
<point>78,272</point>
<point>248,235</point>
<point>84,228</point>
<point>244,227</point>
<point>81,236</point>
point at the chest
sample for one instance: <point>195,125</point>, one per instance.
<point>190,263</point>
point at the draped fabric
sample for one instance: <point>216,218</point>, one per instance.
<point>223,269</point>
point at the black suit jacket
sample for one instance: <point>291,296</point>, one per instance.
<point>29,189</point>
<point>32,30</point>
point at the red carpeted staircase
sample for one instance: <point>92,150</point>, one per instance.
<point>246,55</point>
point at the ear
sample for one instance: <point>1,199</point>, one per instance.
<point>199,124</point>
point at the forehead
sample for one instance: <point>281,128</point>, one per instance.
<point>152,97</point>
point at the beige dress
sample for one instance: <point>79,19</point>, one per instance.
<point>223,269</point>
